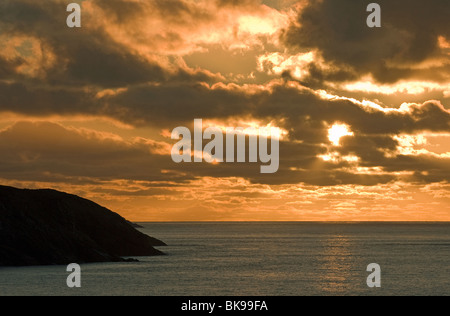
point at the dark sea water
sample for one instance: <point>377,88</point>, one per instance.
<point>259,259</point>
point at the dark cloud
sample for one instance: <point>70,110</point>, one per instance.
<point>40,101</point>
<point>8,68</point>
<point>43,151</point>
<point>408,36</point>
<point>89,60</point>
<point>304,112</point>
<point>88,55</point>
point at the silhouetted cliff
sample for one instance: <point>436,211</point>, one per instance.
<point>46,227</point>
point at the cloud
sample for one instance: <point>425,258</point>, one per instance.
<point>281,102</point>
<point>151,66</point>
<point>408,38</point>
<point>43,150</point>
<point>86,56</point>
<point>306,114</point>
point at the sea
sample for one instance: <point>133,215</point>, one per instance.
<point>262,259</point>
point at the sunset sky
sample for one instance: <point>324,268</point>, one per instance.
<point>364,112</point>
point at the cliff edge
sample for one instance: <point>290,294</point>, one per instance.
<point>47,227</point>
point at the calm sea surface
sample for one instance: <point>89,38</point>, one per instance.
<point>257,259</point>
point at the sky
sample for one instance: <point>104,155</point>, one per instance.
<point>363,113</point>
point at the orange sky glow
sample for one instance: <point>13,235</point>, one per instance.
<point>363,115</point>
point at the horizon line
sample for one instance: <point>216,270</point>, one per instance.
<point>275,221</point>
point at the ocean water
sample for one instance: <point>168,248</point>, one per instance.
<point>263,259</point>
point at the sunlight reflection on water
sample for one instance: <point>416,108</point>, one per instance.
<point>263,259</point>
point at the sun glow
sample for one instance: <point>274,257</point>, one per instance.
<point>337,131</point>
